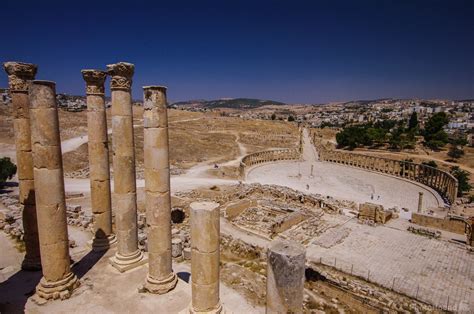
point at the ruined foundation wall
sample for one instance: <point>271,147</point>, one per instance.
<point>441,181</point>
<point>450,225</point>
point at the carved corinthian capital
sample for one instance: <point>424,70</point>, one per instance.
<point>19,74</point>
<point>95,80</point>
<point>121,75</point>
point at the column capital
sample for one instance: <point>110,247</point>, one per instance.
<point>95,80</point>
<point>121,75</point>
<point>19,74</point>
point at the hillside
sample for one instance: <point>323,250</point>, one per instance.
<point>234,103</point>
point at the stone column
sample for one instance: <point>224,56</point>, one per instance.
<point>285,277</point>
<point>161,278</point>
<point>99,173</point>
<point>128,254</point>
<point>205,233</point>
<point>58,281</point>
<point>420,202</point>
<point>19,76</point>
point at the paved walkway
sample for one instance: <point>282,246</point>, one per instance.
<point>427,269</point>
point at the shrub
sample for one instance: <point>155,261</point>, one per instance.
<point>7,170</point>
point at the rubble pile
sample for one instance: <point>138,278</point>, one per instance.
<point>11,217</point>
<point>425,232</point>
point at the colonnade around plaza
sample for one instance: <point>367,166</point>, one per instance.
<point>439,180</point>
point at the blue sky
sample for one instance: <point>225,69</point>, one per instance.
<point>291,51</point>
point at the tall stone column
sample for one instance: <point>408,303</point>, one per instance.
<point>128,254</point>
<point>99,173</point>
<point>420,202</point>
<point>161,278</point>
<point>285,277</point>
<point>58,281</point>
<point>205,233</point>
<point>19,76</point>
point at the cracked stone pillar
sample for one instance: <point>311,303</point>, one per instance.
<point>420,202</point>
<point>19,76</point>
<point>161,278</point>
<point>285,277</point>
<point>58,281</point>
<point>205,233</point>
<point>128,254</point>
<point>98,160</point>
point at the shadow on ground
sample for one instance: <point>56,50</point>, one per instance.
<point>15,291</point>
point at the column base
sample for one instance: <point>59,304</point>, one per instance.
<point>102,244</point>
<point>217,310</point>
<point>53,290</point>
<point>159,286</point>
<point>126,262</point>
<point>29,264</point>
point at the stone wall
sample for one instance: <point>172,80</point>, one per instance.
<point>234,209</point>
<point>267,156</point>
<point>447,224</point>
<point>287,222</point>
<point>374,213</point>
<point>441,181</point>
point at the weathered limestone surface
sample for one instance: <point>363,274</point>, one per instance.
<point>58,281</point>
<point>205,234</point>
<point>161,278</point>
<point>19,76</point>
<point>99,160</point>
<point>285,277</point>
<point>128,254</point>
<point>374,213</point>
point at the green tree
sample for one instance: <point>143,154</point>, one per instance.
<point>7,169</point>
<point>455,152</point>
<point>413,122</point>
<point>273,116</point>
<point>463,180</point>
<point>291,118</point>
<point>434,135</point>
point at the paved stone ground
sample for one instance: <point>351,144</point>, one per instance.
<point>427,269</point>
<point>344,182</point>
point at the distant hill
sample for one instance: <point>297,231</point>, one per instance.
<point>234,103</point>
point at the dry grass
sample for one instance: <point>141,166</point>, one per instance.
<point>194,137</point>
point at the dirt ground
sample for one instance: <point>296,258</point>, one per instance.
<point>194,138</point>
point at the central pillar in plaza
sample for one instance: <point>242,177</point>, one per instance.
<point>128,254</point>
<point>420,202</point>
<point>99,173</point>
<point>19,76</point>
<point>58,281</point>
<point>161,278</point>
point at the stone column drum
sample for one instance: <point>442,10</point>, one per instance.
<point>285,277</point>
<point>205,233</point>
<point>19,76</point>
<point>58,281</point>
<point>128,254</point>
<point>420,202</point>
<point>99,173</point>
<point>161,278</point>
